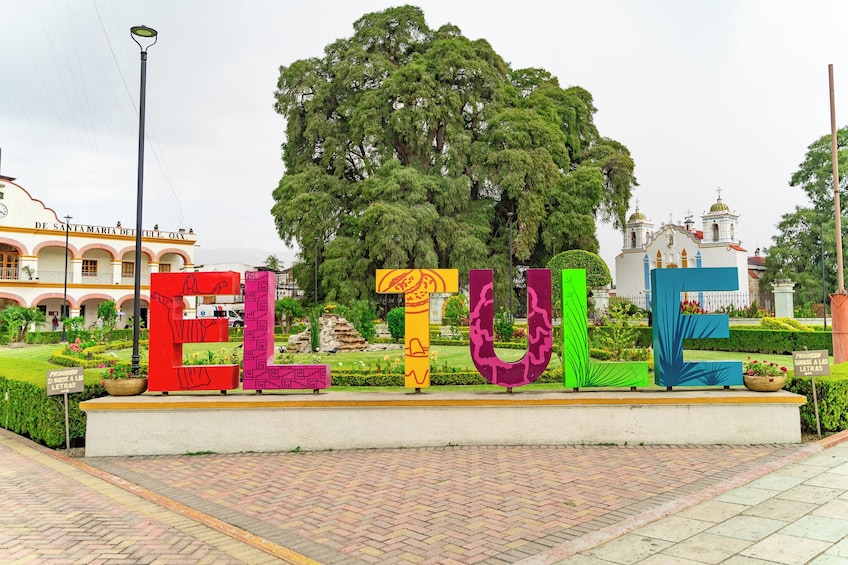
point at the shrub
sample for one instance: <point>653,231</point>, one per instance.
<point>456,310</point>
<point>503,325</point>
<point>32,413</point>
<point>832,392</point>
<point>597,272</point>
<point>784,324</point>
<point>361,314</point>
<point>43,337</point>
<point>396,319</point>
<point>618,335</point>
<point>287,310</point>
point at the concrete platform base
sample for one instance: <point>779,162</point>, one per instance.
<point>156,425</point>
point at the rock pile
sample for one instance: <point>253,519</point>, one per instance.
<point>337,335</point>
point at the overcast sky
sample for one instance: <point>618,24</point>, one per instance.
<point>705,94</point>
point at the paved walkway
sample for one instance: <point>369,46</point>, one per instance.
<point>593,505</point>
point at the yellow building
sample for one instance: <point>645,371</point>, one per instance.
<point>100,260</point>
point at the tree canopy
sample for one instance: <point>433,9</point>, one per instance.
<point>797,250</point>
<point>407,147</point>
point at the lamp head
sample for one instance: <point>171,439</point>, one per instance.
<point>144,32</point>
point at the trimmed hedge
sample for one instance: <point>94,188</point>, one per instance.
<point>497,344</point>
<point>97,355</point>
<point>780,342</point>
<point>751,339</point>
<point>351,378</point>
<point>30,412</point>
<point>833,400</point>
<point>84,335</point>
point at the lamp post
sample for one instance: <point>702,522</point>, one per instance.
<point>65,296</point>
<point>145,33</point>
<point>316,270</point>
<point>824,285</point>
<point>509,223</point>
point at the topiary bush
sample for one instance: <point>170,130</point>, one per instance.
<point>597,272</point>
<point>396,320</point>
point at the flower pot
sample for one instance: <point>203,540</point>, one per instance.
<point>764,383</point>
<point>125,387</point>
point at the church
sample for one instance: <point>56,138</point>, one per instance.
<point>680,245</point>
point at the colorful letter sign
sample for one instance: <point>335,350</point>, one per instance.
<point>578,371</point>
<point>416,286</point>
<point>670,326</point>
<point>169,331</point>
<point>539,329</point>
<point>260,373</point>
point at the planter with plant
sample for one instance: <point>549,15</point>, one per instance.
<point>763,376</point>
<point>121,381</point>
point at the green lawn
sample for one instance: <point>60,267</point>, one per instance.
<point>30,363</point>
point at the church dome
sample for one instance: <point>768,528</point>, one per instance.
<point>719,206</point>
<point>637,216</point>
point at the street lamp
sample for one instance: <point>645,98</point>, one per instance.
<point>316,270</point>
<point>145,33</point>
<point>65,297</point>
<point>824,285</point>
<point>509,223</point>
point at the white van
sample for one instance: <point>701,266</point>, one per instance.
<point>234,319</point>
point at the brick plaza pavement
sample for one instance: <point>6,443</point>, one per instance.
<point>422,505</point>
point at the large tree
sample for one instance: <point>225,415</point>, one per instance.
<point>409,147</point>
<point>797,250</point>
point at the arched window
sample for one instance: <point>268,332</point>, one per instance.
<point>632,240</point>
<point>684,262</point>
<point>8,262</point>
<point>715,232</point>
<point>659,260</point>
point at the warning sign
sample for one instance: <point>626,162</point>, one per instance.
<point>69,379</point>
<point>811,363</point>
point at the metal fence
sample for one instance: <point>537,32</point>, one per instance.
<point>726,302</point>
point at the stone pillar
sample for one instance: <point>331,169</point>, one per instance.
<point>601,296</point>
<point>75,274</point>
<point>437,304</point>
<point>783,299</point>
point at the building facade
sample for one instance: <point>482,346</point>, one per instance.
<point>46,261</point>
<point>679,245</point>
